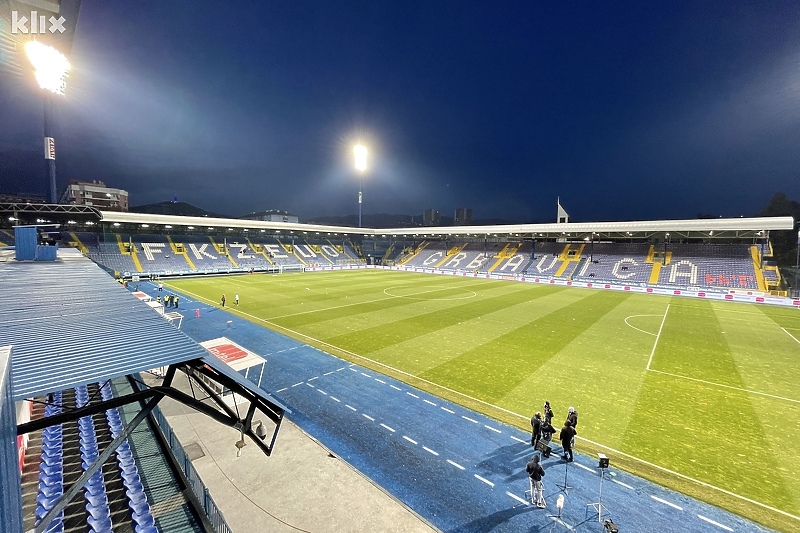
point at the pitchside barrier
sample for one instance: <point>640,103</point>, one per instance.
<point>737,295</point>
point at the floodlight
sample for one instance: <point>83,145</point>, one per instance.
<point>360,153</point>
<point>50,64</point>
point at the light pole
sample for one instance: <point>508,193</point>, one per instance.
<point>51,67</point>
<point>664,259</point>
<point>360,153</point>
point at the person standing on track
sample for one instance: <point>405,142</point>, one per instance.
<point>223,300</point>
<point>536,429</point>
<point>535,474</point>
<point>236,299</point>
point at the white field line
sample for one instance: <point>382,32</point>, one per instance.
<point>484,480</point>
<point>520,500</point>
<point>638,329</point>
<point>456,465</point>
<point>621,483</point>
<point>726,528</point>
<point>510,412</point>
<point>658,336</point>
<point>665,502</point>
<point>748,391</point>
<point>792,336</point>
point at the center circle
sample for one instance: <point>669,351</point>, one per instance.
<point>413,293</point>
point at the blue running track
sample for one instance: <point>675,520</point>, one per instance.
<point>458,469</point>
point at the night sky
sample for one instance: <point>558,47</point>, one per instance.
<point>626,110</point>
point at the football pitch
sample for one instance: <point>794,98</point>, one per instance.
<point>698,395</point>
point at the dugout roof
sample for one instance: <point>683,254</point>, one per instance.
<point>71,324</point>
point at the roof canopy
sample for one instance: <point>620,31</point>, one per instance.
<point>694,228</point>
<point>70,324</point>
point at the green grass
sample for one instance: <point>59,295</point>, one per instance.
<point>715,416</point>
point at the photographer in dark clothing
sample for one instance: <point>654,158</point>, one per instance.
<point>536,429</point>
<point>566,436</point>
<point>535,474</point>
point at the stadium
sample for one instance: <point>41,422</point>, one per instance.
<point>166,371</point>
<point>634,323</point>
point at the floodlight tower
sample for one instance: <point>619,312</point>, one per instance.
<point>51,68</point>
<point>797,267</point>
<point>360,153</point>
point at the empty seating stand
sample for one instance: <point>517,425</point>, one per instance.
<point>113,499</point>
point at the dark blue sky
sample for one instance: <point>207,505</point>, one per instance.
<point>624,110</point>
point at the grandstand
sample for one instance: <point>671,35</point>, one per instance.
<point>79,419</point>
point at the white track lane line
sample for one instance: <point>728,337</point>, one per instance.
<point>368,417</point>
<point>412,395</point>
<point>726,528</point>
<point>493,429</point>
<point>340,369</point>
<point>395,388</point>
<point>380,381</point>
<point>310,385</point>
<point>350,407</point>
<point>315,377</point>
<point>387,427</point>
<point>429,450</point>
<point>409,439</point>
<point>429,402</point>
<point>469,419</point>
<point>665,502</point>
<point>585,468</point>
<point>366,375</point>
<point>484,480</point>
<point>623,484</point>
<point>335,399</point>
<point>520,500</point>
<point>328,373</point>
<point>456,465</point>
<point>353,369</point>
<point>322,392</point>
<point>445,409</point>
<point>297,384</point>
<point>519,440</point>
<point>281,390</point>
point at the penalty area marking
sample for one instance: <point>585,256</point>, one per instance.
<point>792,336</point>
<point>508,411</point>
<point>658,336</point>
<point>748,391</point>
<point>638,329</point>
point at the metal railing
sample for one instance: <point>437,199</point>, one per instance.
<point>198,487</point>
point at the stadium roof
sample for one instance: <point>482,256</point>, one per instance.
<point>70,324</point>
<point>693,228</point>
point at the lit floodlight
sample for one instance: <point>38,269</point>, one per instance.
<point>360,153</point>
<point>50,64</point>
